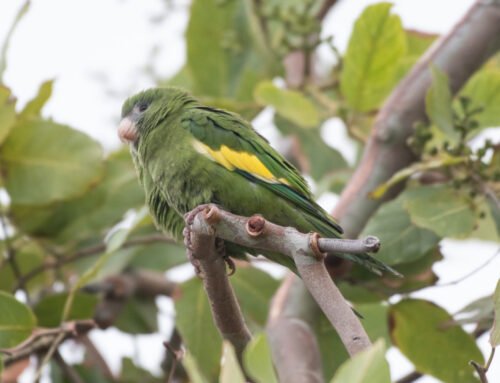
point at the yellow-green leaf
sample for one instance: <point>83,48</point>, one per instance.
<point>368,366</point>
<point>7,112</point>
<point>442,209</point>
<point>443,352</point>
<point>291,104</point>
<point>438,104</point>
<point>44,162</point>
<point>195,324</point>
<point>371,63</point>
<point>230,371</point>
<point>483,89</point>
<point>16,321</point>
<point>495,331</point>
<point>417,167</point>
<point>34,107</point>
<point>402,241</point>
<point>257,360</point>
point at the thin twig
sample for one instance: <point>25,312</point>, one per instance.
<point>68,370</point>
<point>471,273</point>
<point>88,252</point>
<point>95,357</point>
<point>177,356</point>
<point>482,370</point>
<point>42,339</point>
<point>325,8</point>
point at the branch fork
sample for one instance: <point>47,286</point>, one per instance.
<point>208,222</point>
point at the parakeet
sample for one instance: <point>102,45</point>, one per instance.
<point>188,154</point>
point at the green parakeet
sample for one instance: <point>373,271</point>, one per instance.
<point>188,154</point>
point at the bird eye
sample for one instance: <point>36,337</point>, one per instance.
<point>142,107</point>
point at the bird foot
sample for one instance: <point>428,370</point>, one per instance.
<point>219,243</point>
<point>189,252</point>
<point>221,249</point>
<point>189,217</point>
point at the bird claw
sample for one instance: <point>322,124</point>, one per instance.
<point>230,264</point>
<point>189,217</point>
<point>221,249</point>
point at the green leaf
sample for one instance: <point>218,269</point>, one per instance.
<point>29,256</point>
<point>3,54</point>
<point>45,162</point>
<point>192,369</point>
<point>116,238</point>
<point>83,371</point>
<point>375,320</point>
<point>223,55</point>
<point>403,174</point>
<point>34,107</point>
<point>310,153</point>
<point>402,241</point>
<point>7,112</point>
<point>495,331</point>
<point>195,324</point>
<point>87,276</point>
<point>89,215</point>
<point>158,256</point>
<point>368,366</point>
<point>49,310</point>
<point>16,321</point>
<point>486,228</point>
<point>440,208</point>
<point>371,63</point>
<point>254,289</point>
<point>130,373</point>
<point>483,89</point>
<point>291,104</point>
<point>138,317</point>
<point>257,359</point>
<point>333,352</point>
<point>417,330</point>
<point>438,104</point>
<point>417,43</point>
<point>230,371</point>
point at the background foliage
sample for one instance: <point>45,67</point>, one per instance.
<point>74,222</point>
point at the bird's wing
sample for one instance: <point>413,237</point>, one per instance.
<point>231,142</point>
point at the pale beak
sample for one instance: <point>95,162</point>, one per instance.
<point>127,130</point>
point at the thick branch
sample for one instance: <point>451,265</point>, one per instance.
<point>257,233</point>
<point>460,53</point>
<point>289,315</point>
<point>225,309</point>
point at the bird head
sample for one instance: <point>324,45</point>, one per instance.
<point>146,110</point>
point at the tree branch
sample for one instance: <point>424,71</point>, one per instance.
<point>459,54</point>
<point>87,252</point>
<point>226,311</point>
<point>292,313</point>
<point>307,252</point>
<point>42,339</point>
<point>117,289</point>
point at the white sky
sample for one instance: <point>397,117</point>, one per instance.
<point>97,50</point>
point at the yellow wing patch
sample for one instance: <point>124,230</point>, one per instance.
<point>232,159</point>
